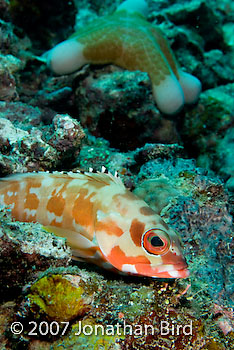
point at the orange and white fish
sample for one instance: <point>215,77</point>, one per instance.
<point>103,222</point>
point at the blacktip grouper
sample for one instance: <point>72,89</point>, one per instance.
<point>103,221</point>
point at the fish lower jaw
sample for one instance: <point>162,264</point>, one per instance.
<point>173,271</point>
<point>172,274</point>
<point>163,271</point>
<point>179,273</point>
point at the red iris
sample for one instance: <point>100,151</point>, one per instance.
<point>156,242</point>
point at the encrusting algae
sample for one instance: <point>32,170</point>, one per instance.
<point>58,298</point>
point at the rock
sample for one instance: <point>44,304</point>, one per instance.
<point>225,160</point>
<point>34,146</point>
<point>23,150</point>
<point>25,250</point>
<point>8,90</point>
<point>207,130</point>
<point>118,106</point>
<point>67,137</point>
<point>218,67</point>
<point>228,30</point>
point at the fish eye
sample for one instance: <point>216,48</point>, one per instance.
<point>156,241</point>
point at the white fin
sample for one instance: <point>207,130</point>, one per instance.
<point>75,239</point>
<point>103,177</point>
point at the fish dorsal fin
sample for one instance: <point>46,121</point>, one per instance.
<point>103,176</point>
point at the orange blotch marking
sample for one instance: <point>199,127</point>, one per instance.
<point>56,205</point>
<point>146,269</point>
<point>32,182</point>
<point>146,211</point>
<point>28,218</point>
<point>32,202</point>
<point>14,187</point>
<point>12,200</point>
<point>55,223</point>
<point>128,195</point>
<point>32,218</point>
<point>136,231</point>
<point>110,227</point>
<point>118,258</point>
<point>31,199</point>
<point>82,210</point>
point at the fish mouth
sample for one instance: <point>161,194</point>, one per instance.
<point>173,272</point>
<point>183,270</point>
<point>178,270</point>
<point>182,273</point>
<point>182,265</point>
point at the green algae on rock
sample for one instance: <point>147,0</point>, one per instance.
<point>58,297</point>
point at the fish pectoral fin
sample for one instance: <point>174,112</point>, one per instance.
<point>77,258</point>
<point>75,239</point>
